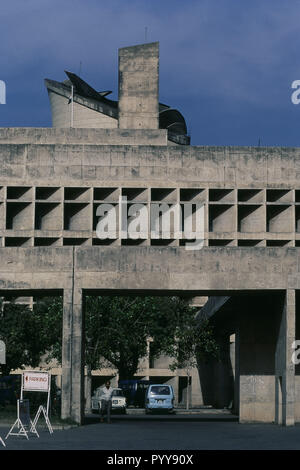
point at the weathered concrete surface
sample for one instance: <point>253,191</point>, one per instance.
<point>76,270</point>
<point>138,86</point>
<point>158,269</point>
<point>73,356</point>
<point>79,136</point>
<point>265,373</point>
<point>85,162</point>
<point>284,366</point>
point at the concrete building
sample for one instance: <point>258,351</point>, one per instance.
<point>53,181</point>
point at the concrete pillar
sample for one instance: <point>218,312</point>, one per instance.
<point>138,86</point>
<point>284,367</point>
<point>258,327</point>
<point>267,374</point>
<point>72,356</point>
<point>206,382</point>
<point>88,389</point>
<point>196,392</point>
<point>236,396</point>
<point>222,376</point>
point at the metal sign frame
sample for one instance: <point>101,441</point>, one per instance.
<point>23,421</point>
<point>26,427</point>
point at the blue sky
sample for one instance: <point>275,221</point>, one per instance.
<point>227,65</point>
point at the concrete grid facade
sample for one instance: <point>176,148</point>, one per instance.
<point>52,181</point>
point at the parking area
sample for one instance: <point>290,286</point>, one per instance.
<point>179,432</point>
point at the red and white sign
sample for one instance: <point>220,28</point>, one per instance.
<point>36,381</point>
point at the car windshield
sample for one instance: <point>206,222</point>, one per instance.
<point>160,390</point>
<point>117,393</point>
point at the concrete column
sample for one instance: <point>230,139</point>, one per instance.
<point>72,356</point>
<point>88,389</point>
<point>284,367</point>
<point>258,327</point>
<point>236,397</point>
<point>222,376</point>
<point>196,392</point>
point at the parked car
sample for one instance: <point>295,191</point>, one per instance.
<point>118,400</point>
<point>159,397</point>
<point>134,391</point>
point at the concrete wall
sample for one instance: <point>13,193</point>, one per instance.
<point>258,334</point>
<point>83,117</point>
<point>57,136</point>
<point>148,269</point>
<point>243,207</point>
<point>265,388</point>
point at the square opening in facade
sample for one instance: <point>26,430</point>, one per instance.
<point>19,216</point>
<point>221,195</point>
<point>17,241</point>
<point>135,194</point>
<point>48,216</point>
<point>280,218</point>
<point>78,194</point>
<point>106,194</point>
<point>279,195</point>
<point>222,218</point>
<point>192,195</point>
<point>250,195</point>
<point>163,194</point>
<point>47,193</point>
<point>251,218</point>
<point>77,216</point>
<point>74,241</point>
<point>46,241</point>
<point>18,192</point>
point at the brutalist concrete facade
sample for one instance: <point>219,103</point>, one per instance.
<point>52,182</point>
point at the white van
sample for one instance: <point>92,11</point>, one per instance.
<point>159,397</point>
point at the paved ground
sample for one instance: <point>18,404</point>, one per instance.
<point>184,432</point>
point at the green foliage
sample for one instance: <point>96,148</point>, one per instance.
<point>117,329</point>
<point>194,343</point>
<point>48,313</point>
<point>20,332</point>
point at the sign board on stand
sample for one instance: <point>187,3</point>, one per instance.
<point>36,381</point>
<point>32,381</point>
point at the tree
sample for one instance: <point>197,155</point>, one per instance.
<point>24,335</point>
<point>195,342</point>
<point>117,328</point>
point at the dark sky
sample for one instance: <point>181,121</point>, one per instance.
<point>227,65</point>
